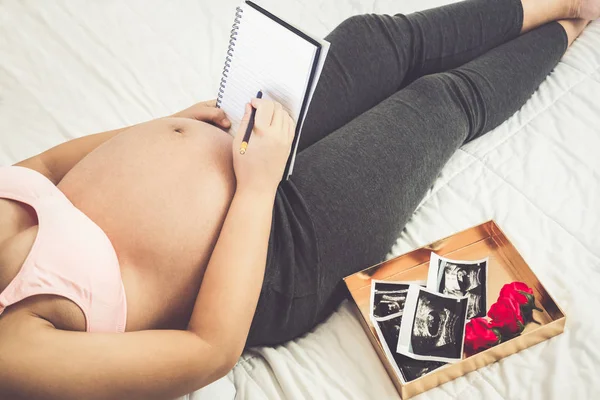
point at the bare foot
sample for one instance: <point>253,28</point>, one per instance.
<point>539,12</point>
<point>585,9</point>
<point>573,27</point>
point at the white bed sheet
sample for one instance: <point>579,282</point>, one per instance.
<point>70,67</point>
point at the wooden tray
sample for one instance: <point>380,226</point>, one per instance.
<point>505,265</point>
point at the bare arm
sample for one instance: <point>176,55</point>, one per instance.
<point>234,276</point>
<point>237,264</point>
<point>238,261</point>
<point>57,161</point>
<point>38,361</point>
<point>54,163</point>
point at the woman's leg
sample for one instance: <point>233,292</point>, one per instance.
<point>373,56</point>
<point>574,27</point>
<point>353,191</point>
<point>362,182</point>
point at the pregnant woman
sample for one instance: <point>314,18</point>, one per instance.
<point>138,263</point>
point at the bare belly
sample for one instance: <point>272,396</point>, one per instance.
<point>160,191</point>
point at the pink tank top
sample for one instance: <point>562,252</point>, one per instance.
<point>70,257</point>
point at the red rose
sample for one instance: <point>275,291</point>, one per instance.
<point>518,291</point>
<point>506,315</point>
<point>480,335</point>
<point>523,295</point>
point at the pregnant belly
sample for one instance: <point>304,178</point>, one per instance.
<point>160,191</point>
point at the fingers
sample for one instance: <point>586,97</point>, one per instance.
<point>215,115</point>
<point>291,128</point>
<point>210,103</point>
<point>206,111</point>
<point>270,114</point>
<point>285,124</point>
<point>264,113</point>
<point>278,116</point>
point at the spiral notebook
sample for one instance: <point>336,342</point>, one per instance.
<point>268,54</point>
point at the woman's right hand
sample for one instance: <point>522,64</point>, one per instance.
<point>261,167</point>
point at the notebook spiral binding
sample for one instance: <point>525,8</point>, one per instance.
<point>232,39</point>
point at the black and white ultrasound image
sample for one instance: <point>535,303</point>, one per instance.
<point>410,369</point>
<point>388,299</point>
<point>438,326</point>
<point>469,280</point>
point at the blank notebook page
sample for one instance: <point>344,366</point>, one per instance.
<point>269,57</point>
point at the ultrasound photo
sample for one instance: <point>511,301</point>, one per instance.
<point>433,326</point>
<point>387,298</point>
<point>460,278</point>
<point>407,369</point>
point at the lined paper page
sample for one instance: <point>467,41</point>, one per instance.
<point>267,57</point>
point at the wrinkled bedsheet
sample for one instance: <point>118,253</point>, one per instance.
<point>69,68</point>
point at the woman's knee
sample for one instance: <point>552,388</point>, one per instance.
<point>452,98</point>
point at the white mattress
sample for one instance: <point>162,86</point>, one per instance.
<point>69,68</point>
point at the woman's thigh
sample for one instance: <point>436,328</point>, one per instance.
<point>373,56</point>
<point>349,197</point>
<point>362,182</point>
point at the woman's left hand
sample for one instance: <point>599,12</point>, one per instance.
<point>206,111</point>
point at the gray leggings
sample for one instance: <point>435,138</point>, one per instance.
<point>397,97</point>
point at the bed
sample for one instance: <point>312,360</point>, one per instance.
<point>69,68</point>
